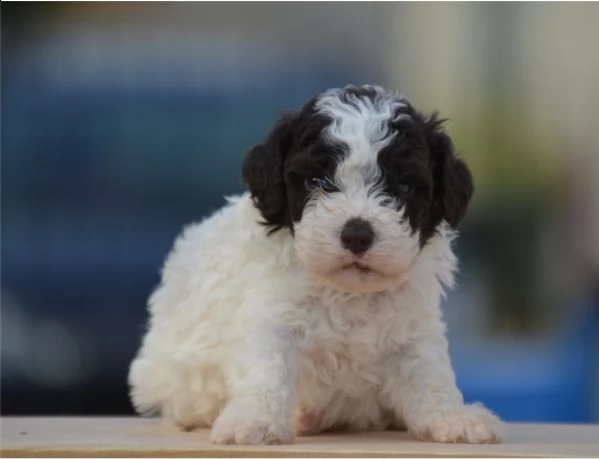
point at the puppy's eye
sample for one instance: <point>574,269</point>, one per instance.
<point>320,183</point>
<point>404,189</point>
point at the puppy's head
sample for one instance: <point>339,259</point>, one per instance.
<point>362,180</point>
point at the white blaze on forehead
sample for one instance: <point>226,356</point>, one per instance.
<point>363,125</point>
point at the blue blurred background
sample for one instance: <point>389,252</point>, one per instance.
<point>122,122</point>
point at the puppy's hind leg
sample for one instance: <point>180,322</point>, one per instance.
<point>187,400</point>
<point>190,410</point>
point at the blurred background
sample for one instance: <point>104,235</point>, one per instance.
<point>122,122</point>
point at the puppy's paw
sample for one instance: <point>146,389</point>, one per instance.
<point>244,424</point>
<point>307,423</point>
<point>467,424</point>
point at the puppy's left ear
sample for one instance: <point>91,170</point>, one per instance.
<point>453,181</point>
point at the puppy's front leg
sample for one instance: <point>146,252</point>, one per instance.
<point>261,378</point>
<point>423,392</point>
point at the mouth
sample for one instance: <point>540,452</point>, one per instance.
<point>357,266</point>
<point>360,276</point>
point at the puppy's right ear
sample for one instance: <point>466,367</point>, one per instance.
<point>262,172</point>
<point>453,180</point>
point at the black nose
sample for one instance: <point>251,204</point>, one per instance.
<point>357,235</point>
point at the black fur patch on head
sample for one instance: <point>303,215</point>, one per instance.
<point>352,93</point>
<point>419,167</point>
<point>421,170</point>
<point>277,172</point>
<point>454,186</point>
<point>262,172</point>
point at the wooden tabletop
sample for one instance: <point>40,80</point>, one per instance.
<point>136,437</point>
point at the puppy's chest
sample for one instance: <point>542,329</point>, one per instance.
<point>344,338</point>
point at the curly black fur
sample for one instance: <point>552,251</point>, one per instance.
<point>419,167</point>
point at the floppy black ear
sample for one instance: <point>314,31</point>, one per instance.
<point>453,181</point>
<point>262,173</point>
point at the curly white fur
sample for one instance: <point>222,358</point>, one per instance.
<point>242,339</point>
<point>263,336</point>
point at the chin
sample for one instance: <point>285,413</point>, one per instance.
<point>358,280</point>
<point>356,277</point>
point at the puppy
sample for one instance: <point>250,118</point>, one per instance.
<point>312,302</point>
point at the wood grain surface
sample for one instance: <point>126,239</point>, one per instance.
<point>136,437</point>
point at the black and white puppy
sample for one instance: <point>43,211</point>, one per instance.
<point>312,302</point>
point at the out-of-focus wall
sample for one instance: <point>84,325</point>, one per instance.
<point>348,35</point>
<point>540,58</point>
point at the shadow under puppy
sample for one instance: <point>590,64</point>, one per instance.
<point>312,302</point>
